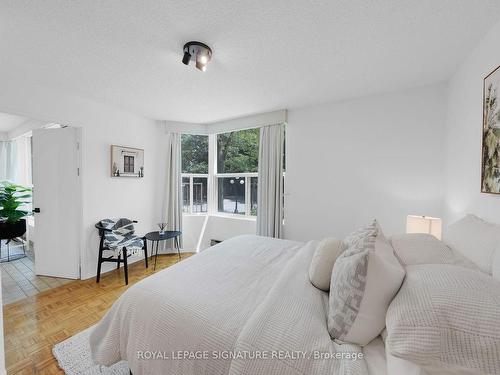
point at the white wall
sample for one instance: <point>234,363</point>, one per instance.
<point>252,121</point>
<point>192,228</point>
<point>373,157</point>
<point>104,196</point>
<point>463,134</point>
<point>199,230</point>
<point>223,227</point>
<point>26,127</point>
<point>102,125</point>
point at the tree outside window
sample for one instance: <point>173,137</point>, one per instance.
<point>236,156</point>
<point>194,151</point>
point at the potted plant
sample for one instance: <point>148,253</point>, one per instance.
<point>13,199</point>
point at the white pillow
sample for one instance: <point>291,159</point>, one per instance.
<point>474,238</point>
<point>320,269</point>
<point>446,317</point>
<point>365,279</point>
<point>496,265</point>
<point>398,366</point>
<point>421,248</point>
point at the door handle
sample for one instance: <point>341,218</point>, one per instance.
<point>36,210</point>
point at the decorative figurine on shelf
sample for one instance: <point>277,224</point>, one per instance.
<point>162,227</point>
<point>115,170</point>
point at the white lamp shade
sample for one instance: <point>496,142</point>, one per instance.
<point>424,224</point>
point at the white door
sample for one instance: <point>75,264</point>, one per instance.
<point>57,197</point>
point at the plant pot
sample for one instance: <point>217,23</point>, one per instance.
<point>12,230</point>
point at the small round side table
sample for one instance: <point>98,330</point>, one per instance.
<point>156,238</point>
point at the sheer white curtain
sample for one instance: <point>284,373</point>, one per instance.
<point>270,186</point>
<point>8,156</point>
<point>23,161</point>
<point>173,191</point>
<point>15,160</point>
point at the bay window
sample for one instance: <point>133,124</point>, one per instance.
<point>231,173</point>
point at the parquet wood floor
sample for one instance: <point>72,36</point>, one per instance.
<point>33,325</point>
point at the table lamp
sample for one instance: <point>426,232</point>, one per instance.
<point>424,224</point>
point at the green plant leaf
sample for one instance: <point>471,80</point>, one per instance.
<point>12,196</point>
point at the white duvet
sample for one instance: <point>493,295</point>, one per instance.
<point>243,307</point>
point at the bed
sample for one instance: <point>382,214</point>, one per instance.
<point>218,311</point>
<point>247,306</point>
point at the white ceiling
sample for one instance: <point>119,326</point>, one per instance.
<point>9,122</point>
<point>268,54</point>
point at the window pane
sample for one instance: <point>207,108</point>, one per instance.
<point>128,164</point>
<point>232,195</point>
<point>185,194</point>
<point>253,195</point>
<point>200,194</point>
<point>238,152</point>
<point>194,150</point>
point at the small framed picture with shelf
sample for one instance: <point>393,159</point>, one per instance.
<point>127,161</point>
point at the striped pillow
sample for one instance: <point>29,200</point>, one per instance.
<point>364,280</point>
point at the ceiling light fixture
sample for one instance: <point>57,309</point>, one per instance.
<point>198,51</point>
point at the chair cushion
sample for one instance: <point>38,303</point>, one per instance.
<point>117,242</point>
<point>121,235</point>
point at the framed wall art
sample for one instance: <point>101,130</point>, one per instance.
<point>490,166</point>
<point>127,161</point>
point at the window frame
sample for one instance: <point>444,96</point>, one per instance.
<point>213,182</point>
<point>191,177</point>
<point>248,203</point>
<point>212,150</point>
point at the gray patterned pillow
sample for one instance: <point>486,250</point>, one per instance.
<point>356,240</point>
<point>365,279</point>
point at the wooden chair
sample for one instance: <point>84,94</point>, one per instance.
<point>117,236</point>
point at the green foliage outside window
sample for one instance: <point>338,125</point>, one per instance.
<point>194,153</point>
<point>238,151</point>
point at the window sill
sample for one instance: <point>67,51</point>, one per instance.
<point>223,215</point>
<point>235,216</point>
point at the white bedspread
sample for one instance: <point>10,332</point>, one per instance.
<point>246,297</point>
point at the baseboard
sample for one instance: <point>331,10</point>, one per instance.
<point>108,267</point>
<point>172,251</point>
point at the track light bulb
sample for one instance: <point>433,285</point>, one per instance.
<point>186,58</point>
<point>200,52</point>
<point>200,65</point>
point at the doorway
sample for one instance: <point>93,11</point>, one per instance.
<point>45,158</point>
